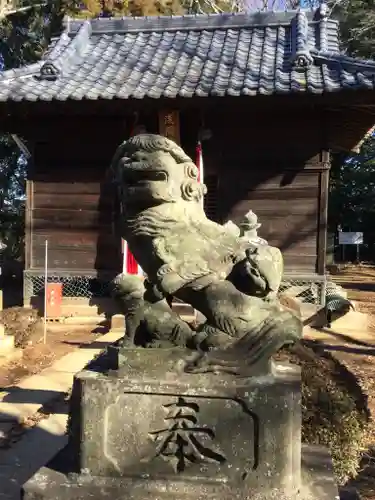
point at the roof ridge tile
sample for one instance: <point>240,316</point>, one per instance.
<point>188,21</point>
<point>301,57</point>
<point>251,54</point>
<point>60,58</point>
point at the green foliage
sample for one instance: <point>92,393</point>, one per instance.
<point>352,198</point>
<point>24,34</point>
<point>352,193</point>
<point>357,26</point>
<point>12,189</point>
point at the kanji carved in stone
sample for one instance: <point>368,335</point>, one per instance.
<point>181,440</point>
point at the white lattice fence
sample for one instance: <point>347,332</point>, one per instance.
<point>308,289</point>
<point>73,286</point>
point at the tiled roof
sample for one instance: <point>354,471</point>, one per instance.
<point>186,56</point>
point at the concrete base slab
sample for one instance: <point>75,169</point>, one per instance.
<point>27,456</point>
<point>7,343</point>
<point>118,322</point>
<point>353,320</point>
<point>34,392</point>
<point>53,482</point>
<point>335,337</point>
<point>41,443</point>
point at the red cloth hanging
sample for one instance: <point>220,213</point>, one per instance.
<point>131,263</point>
<point>198,159</point>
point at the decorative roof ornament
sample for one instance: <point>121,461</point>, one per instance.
<point>49,72</point>
<point>66,52</point>
<point>323,31</point>
<point>323,10</point>
<point>301,57</point>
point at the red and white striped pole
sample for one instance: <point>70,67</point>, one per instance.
<point>199,161</point>
<point>129,264</point>
<point>199,164</point>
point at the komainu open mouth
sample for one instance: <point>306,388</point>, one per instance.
<point>134,177</point>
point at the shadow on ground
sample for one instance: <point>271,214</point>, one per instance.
<point>345,338</point>
<point>357,347</point>
<point>364,482</point>
<point>59,457</point>
<point>18,395</point>
<point>94,345</point>
<point>338,372</point>
<point>20,461</point>
<point>349,349</point>
<point>359,286</point>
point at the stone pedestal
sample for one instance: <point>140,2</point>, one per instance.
<point>149,430</point>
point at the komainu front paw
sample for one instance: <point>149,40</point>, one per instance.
<point>127,343</point>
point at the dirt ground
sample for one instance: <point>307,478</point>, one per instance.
<point>60,340</point>
<point>359,358</point>
<point>359,281</point>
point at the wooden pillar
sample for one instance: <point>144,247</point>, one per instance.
<point>28,224</point>
<point>323,212</point>
<point>169,124</point>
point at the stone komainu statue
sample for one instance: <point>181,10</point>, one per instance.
<point>231,280</point>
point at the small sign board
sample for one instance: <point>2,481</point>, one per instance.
<point>350,238</point>
<point>54,300</point>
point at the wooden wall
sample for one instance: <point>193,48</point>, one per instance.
<point>288,210</point>
<point>273,164</point>
<point>270,162</point>
<point>71,202</point>
<point>77,219</point>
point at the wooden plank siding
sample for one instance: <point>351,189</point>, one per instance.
<point>272,164</point>
<point>77,219</point>
<point>268,162</point>
<point>72,202</point>
<point>72,208</point>
<point>288,211</point>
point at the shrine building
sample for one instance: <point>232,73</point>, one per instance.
<point>266,96</point>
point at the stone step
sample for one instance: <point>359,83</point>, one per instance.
<point>353,320</point>
<point>81,310</point>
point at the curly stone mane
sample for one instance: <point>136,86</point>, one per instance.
<point>149,143</point>
<point>150,222</point>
